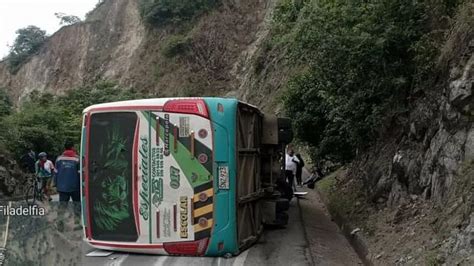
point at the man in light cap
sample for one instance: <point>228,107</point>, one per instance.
<point>44,170</point>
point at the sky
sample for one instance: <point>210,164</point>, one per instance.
<point>16,14</point>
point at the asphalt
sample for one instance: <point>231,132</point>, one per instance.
<point>328,245</point>
<point>310,238</point>
<point>276,247</point>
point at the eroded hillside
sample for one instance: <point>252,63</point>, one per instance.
<point>115,44</point>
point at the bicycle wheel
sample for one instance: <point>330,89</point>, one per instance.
<point>30,195</point>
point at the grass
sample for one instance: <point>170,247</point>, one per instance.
<point>338,201</point>
<point>176,45</point>
<point>431,259</point>
<point>346,201</point>
<point>326,185</point>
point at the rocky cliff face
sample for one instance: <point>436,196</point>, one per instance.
<point>114,44</point>
<point>11,178</point>
<point>424,157</point>
<point>423,167</point>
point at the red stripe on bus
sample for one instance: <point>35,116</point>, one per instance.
<point>213,155</point>
<point>86,172</point>
<point>135,176</point>
<point>137,246</point>
<point>128,108</point>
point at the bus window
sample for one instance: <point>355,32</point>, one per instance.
<point>110,176</point>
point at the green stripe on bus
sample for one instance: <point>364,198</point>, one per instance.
<point>195,172</point>
<point>199,147</point>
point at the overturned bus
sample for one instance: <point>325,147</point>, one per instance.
<point>181,176</point>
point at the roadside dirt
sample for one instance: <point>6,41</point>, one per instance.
<point>328,246</point>
<point>415,232</point>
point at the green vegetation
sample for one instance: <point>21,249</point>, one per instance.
<point>44,122</point>
<point>5,103</point>
<point>432,259</point>
<point>362,61</point>
<point>65,19</point>
<point>338,203</point>
<point>347,202</point>
<point>162,12</point>
<point>27,43</point>
<point>176,45</point>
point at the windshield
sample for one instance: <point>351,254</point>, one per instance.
<point>110,176</point>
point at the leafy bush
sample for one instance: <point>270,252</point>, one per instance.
<point>161,12</point>
<point>27,43</point>
<point>5,103</point>
<point>286,15</point>
<point>65,19</point>
<point>45,122</point>
<point>362,58</point>
<point>176,45</point>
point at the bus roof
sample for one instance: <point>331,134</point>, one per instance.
<point>151,102</point>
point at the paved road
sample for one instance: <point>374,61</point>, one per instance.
<point>56,239</point>
<point>276,247</point>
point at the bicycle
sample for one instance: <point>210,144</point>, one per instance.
<point>35,191</point>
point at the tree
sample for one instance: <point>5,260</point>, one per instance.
<point>5,103</point>
<point>162,12</point>
<point>28,41</point>
<point>359,68</point>
<point>65,19</point>
<point>44,121</point>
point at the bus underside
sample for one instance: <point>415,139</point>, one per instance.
<point>261,140</point>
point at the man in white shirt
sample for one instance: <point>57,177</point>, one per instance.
<point>291,162</point>
<point>44,170</point>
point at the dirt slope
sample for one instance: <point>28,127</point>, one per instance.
<point>114,44</point>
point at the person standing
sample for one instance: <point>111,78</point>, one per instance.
<point>67,175</point>
<point>44,169</point>
<point>290,166</point>
<point>299,169</point>
<point>28,161</point>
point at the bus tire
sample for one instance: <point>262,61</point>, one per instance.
<point>281,218</point>
<point>282,205</point>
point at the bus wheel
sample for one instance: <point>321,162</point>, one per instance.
<point>227,255</point>
<point>281,218</point>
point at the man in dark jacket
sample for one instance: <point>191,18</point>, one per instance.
<point>28,161</point>
<point>67,177</point>
<point>299,169</point>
